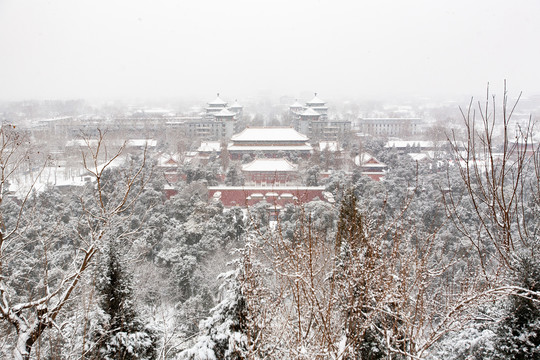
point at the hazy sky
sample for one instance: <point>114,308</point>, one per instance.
<point>127,48</point>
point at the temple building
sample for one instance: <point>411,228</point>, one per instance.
<point>269,142</point>
<point>270,172</point>
<point>269,177</point>
<point>319,106</point>
<point>296,108</point>
<point>216,105</point>
<point>237,109</point>
<point>370,166</point>
<point>305,119</point>
<point>275,197</point>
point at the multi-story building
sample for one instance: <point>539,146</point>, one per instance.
<point>208,129</point>
<point>218,122</point>
<point>319,106</point>
<point>237,109</point>
<point>216,105</point>
<point>332,130</point>
<point>312,120</point>
<point>385,127</point>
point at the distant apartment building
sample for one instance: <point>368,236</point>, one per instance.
<point>386,127</point>
<point>312,120</point>
<point>208,129</point>
<point>333,130</point>
<point>142,122</point>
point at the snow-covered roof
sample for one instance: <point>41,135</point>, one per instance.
<point>225,113</point>
<point>296,105</point>
<point>56,176</point>
<point>129,143</point>
<point>419,156</point>
<point>155,111</point>
<point>482,165</point>
<point>217,101</point>
<point>269,134</point>
<point>316,100</point>
<point>61,118</point>
<point>141,143</point>
<point>270,148</point>
<point>269,165</point>
<point>49,176</point>
<point>331,146</point>
<point>81,143</point>
<point>168,160</point>
<point>309,112</point>
<point>236,105</point>
<point>209,146</point>
<point>364,160</point>
<point>119,161</point>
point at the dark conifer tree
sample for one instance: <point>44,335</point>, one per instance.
<point>357,257</point>
<point>518,336</point>
<point>120,333</point>
<point>223,333</point>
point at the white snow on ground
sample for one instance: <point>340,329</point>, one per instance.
<point>39,179</point>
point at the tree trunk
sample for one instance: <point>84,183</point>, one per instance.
<point>24,346</point>
<point>26,339</point>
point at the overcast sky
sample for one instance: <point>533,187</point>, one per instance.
<point>126,48</point>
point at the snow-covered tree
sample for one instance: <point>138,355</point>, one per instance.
<point>224,333</point>
<point>500,180</point>
<point>30,316</point>
<point>518,335</point>
<point>358,259</point>
<point>120,332</point>
<point>234,176</point>
<point>312,176</point>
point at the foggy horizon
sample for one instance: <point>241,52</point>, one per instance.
<point>241,49</point>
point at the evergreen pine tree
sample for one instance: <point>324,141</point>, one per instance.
<point>120,333</point>
<point>223,334</point>
<point>363,275</point>
<point>312,178</point>
<point>357,257</point>
<point>518,335</point>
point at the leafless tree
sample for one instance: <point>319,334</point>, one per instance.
<point>502,182</point>
<point>379,283</point>
<point>30,318</point>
